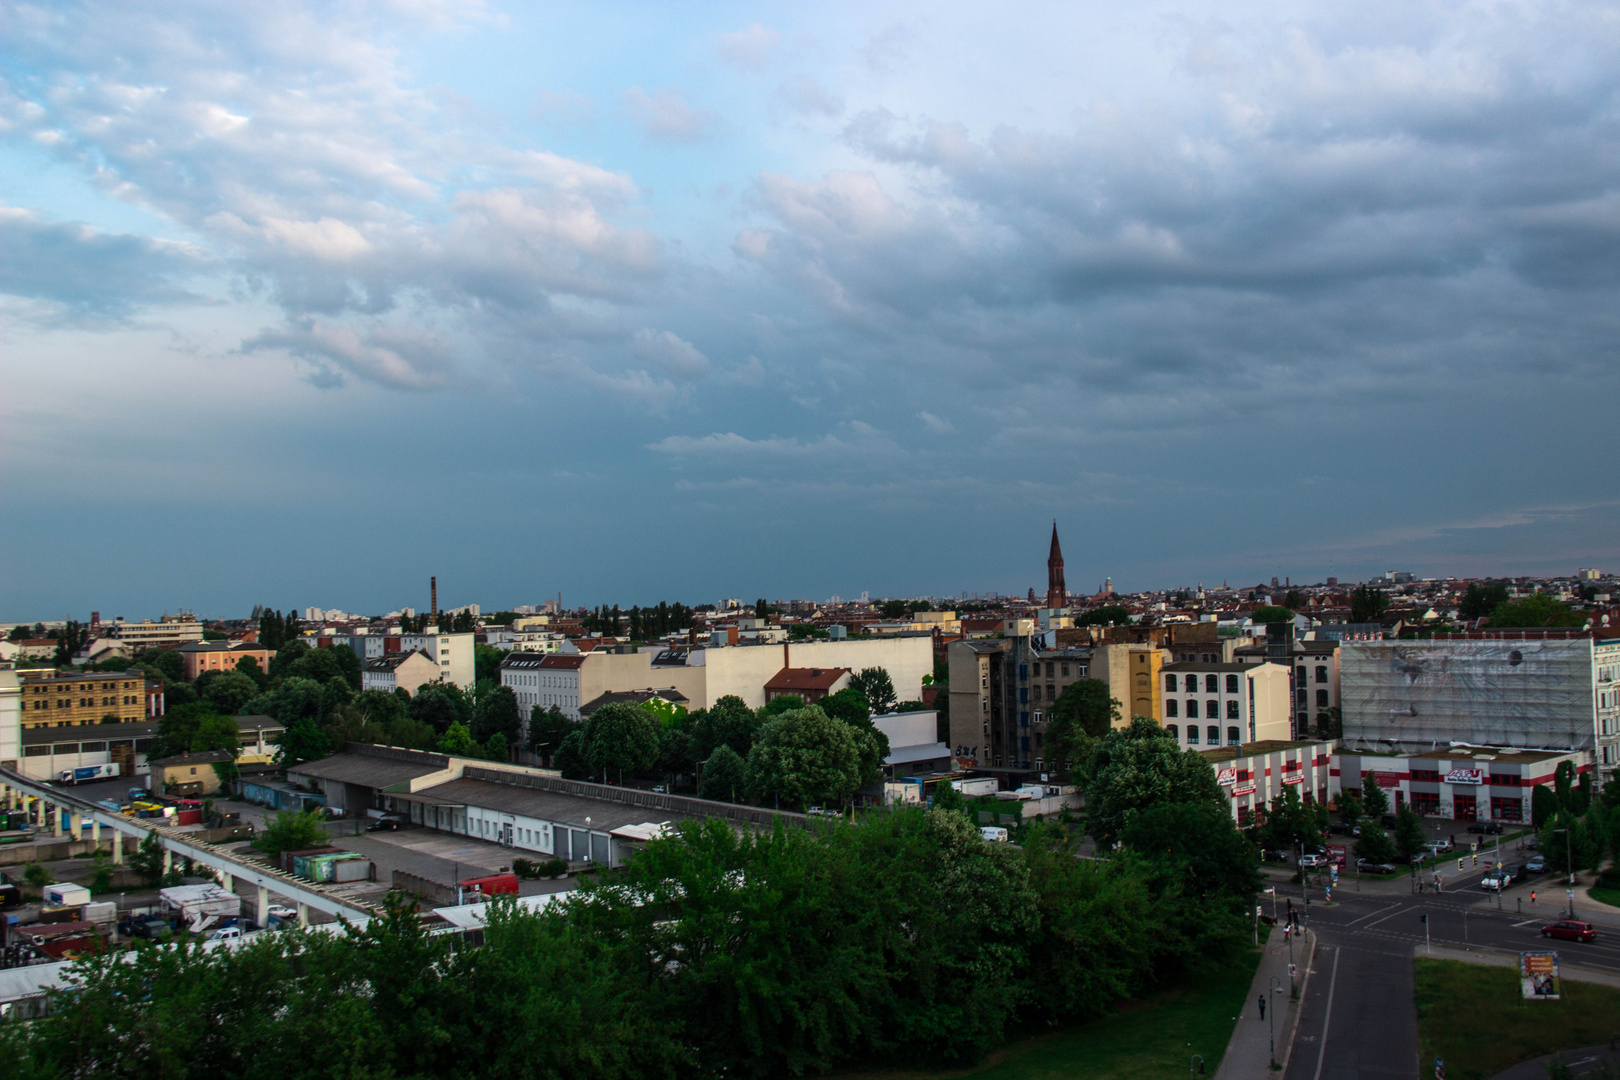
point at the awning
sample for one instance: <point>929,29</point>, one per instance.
<point>425,800</point>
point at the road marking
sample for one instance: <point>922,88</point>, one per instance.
<point>1527,922</point>
<point>1375,922</point>
<point>1327,1016</point>
<point>1370,914</point>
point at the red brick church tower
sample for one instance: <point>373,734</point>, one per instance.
<point>1057,595</point>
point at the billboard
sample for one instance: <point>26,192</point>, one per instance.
<point>1418,694</point>
<point>1538,976</point>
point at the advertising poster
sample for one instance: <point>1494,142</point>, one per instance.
<point>1538,976</point>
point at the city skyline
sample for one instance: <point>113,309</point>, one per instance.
<point>309,303</point>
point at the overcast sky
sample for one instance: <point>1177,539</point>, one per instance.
<point>299,305</point>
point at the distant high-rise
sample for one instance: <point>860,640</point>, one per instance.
<point>1057,594</point>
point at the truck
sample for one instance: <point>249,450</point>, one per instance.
<point>973,787</point>
<point>200,907</point>
<point>85,773</point>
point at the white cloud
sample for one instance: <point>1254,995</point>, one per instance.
<point>748,48</point>
<point>803,94</point>
<point>665,115</point>
<point>935,424</point>
<point>405,359</point>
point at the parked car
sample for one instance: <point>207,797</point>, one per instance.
<point>1387,821</point>
<point>1536,864</point>
<point>1438,847</point>
<point>1570,930</point>
<point>1340,828</point>
<point>385,824</point>
<point>1312,862</point>
<point>1274,856</point>
<point>226,933</point>
<point>993,834</point>
<point>282,911</point>
<point>1495,880</point>
<point>1367,866</point>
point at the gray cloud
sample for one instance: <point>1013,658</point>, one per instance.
<point>91,272</point>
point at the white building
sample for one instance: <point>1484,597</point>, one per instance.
<point>451,653</point>
<point>405,671</point>
<point>543,679</point>
<point>1225,704</point>
<point>1255,774</point>
<point>170,631</point>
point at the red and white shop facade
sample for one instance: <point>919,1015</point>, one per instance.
<point>1255,774</point>
<point>1462,783</point>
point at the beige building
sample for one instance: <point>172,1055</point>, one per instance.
<point>405,671</point>
<point>1225,704</point>
<point>52,698</point>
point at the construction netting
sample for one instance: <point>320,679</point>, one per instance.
<point>1494,693</point>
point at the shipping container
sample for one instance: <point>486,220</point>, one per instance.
<point>976,786</point>
<point>494,885</point>
<point>63,895</point>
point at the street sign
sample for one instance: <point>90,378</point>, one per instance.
<point>1439,1069</point>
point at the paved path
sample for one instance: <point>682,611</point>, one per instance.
<point>1249,1054</point>
<point>1580,1062</point>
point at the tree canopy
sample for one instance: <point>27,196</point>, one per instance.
<point>1107,615</point>
<point>1368,604</point>
<point>805,757</point>
<point>1535,610</point>
<point>876,687</point>
<point>621,738</point>
<point>1139,766</point>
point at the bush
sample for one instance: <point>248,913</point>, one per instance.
<point>550,868</point>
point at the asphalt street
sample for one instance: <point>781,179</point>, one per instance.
<point>1358,1017</point>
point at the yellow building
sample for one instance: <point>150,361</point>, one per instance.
<point>52,698</point>
<point>1132,674</point>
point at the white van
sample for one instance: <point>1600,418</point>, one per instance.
<point>992,834</point>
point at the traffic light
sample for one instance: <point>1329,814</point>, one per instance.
<point>1423,918</point>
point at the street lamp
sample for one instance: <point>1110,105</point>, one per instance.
<point>1276,988</point>
<point>1199,1058</point>
<point>1569,864</point>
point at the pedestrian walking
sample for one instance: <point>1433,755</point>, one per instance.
<point>1262,1006</point>
<point>1532,896</point>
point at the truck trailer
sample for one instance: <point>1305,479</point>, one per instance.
<point>85,773</point>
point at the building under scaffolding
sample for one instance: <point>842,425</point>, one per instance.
<point>1410,696</point>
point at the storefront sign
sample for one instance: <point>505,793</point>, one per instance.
<point>1246,789</point>
<point>1465,776</point>
<point>1226,776</point>
<point>1293,778</point>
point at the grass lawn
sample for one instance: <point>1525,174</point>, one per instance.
<point>1155,1037</point>
<point>1475,1018</point>
<point>1604,896</point>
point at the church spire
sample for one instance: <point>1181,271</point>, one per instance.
<point>1057,594</point>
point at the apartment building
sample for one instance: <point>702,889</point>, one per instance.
<point>1533,689</point>
<point>169,632</point>
<point>51,698</point>
<point>201,656</point>
<point>1225,704</point>
<point>544,680</point>
<point>405,671</point>
<point>452,654</point>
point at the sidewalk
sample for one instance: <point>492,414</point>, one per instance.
<point>1248,1055</point>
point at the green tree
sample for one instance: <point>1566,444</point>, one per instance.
<point>37,875</point>
<point>230,692</point>
<point>194,729</point>
<point>1212,859</point>
<point>496,749</point>
<point>1350,809</point>
<point>1107,615</point>
<point>440,704</point>
<point>487,662</point>
<point>876,687</point>
<point>497,711</point>
<point>292,830</point>
<point>804,757</point>
<point>1288,824</point>
<point>1138,766</point>
<point>1373,799</point>
<point>1368,604</point>
<point>725,775</point>
<point>547,729</point>
<point>780,704</point>
<point>570,757</point>
<point>249,666</point>
<point>1269,614</point>
<point>411,733</point>
<point>302,740</point>
<point>1082,713</point>
<point>1408,833</point>
<point>287,653</point>
<point>848,705</point>
<point>728,721</point>
<point>457,741</point>
<point>1480,600</point>
<point>147,862</point>
<point>621,738</point>
<point>166,664</point>
<point>1543,805</point>
<point>1537,609</point>
<point>1374,844</point>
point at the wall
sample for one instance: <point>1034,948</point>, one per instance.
<point>1273,715</point>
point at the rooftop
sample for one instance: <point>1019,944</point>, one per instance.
<point>1264,746</point>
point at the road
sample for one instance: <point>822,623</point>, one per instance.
<point>1358,1018</point>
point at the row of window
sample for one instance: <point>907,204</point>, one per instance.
<point>86,703</point>
<point>1212,683</point>
<point>1212,709</point>
<point>1052,667</point>
<point>1234,736</point>
<point>1321,674</point>
<point>1321,698</point>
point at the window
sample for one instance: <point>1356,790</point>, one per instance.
<point>1234,737</point>
<point>1192,709</point>
<point>1214,734</point>
<point>1212,709</point>
<point>1212,684</point>
<point>1299,676</point>
<point>1192,734</point>
<point>1174,730</point>
<point>1302,693</point>
<point>1171,708</point>
<point>1051,670</point>
<point>1170,681</point>
<point>1321,699</point>
<point>1321,673</point>
<point>1430,775</point>
<point>1231,710</point>
<point>1065,671</point>
<point>1232,684</point>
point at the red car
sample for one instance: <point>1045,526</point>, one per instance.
<point>1570,930</point>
